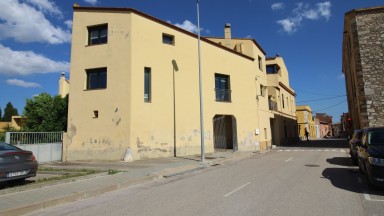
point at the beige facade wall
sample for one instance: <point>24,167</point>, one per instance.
<point>305,119</point>
<point>63,86</point>
<point>282,102</point>
<point>170,121</point>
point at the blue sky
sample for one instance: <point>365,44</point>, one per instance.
<point>35,41</point>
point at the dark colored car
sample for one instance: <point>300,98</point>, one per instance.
<point>16,164</point>
<point>371,156</point>
<point>354,142</point>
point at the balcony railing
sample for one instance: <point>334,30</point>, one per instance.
<point>272,105</point>
<point>223,95</point>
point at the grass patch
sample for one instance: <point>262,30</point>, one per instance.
<point>55,174</point>
<point>112,172</point>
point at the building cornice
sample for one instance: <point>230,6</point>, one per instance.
<point>131,10</point>
<point>287,89</point>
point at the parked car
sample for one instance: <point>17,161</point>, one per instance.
<point>371,156</point>
<point>354,142</point>
<point>16,164</point>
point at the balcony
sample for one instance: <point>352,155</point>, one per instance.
<point>223,95</point>
<point>272,105</point>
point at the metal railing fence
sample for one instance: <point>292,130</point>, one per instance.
<point>18,138</point>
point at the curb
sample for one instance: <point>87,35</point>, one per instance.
<point>76,196</point>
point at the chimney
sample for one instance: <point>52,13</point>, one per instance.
<point>227,35</point>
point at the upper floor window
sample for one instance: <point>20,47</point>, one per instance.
<point>98,34</point>
<point>282,98</point>
<point>96,78</point>
<point>222,87</point>
<point>147,84</point>
<point>260,63</point>
<point>168,39</point>
<point>273,69</point>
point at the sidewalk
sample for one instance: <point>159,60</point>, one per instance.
<point>42,196</point>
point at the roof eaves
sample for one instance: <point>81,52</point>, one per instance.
<point>78,8</point>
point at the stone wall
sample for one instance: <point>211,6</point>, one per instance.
<point>370,68</point>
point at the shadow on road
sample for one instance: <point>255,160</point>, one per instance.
<point>341,161</point>
<point>348,179</point>
<point>323,143</point>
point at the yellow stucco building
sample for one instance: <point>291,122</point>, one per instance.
<point>282,103</point>
<point>134,86</point>
<point>306,120</point>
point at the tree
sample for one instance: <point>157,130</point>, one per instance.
<point>9,111</point>
<point>46,113</point>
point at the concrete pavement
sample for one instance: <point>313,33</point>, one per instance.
<point>45,195</point>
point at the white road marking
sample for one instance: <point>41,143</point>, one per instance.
<point>368,198</point>
<point>312,150</point>
<point>237,189</point>
<point>288,160</point>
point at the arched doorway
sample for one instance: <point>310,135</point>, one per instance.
<point>225,132</point>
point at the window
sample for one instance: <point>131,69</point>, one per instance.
<point>273,69</point>
<point>260,63</point>
<point>168,39</point>
<point>282,98</point>
<point>265,133</point>
<point>95,114</point>
<point>262,90</point>
<point>98,34</point>
<point>147,84</point>
<point>222,88</point>
<point>96,78</point>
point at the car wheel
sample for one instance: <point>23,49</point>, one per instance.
<point>371,183</point>
<point>360,166</point>
<point>19,181</point>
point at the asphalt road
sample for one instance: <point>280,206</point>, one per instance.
<point>315,178</point>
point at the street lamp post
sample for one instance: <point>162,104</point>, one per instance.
<point>200,87</point>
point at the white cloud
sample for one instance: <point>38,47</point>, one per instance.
<point>27,62</point>
<point>290,25</point>
<point>305,11</point>
<point>324,9</point>
<point>21,83</point>
<point>92,2</point>
<point>46,6</point>
<point>24,23</point>
<point>277,6</point>
<point>69,24</point>
<point>188,25</point>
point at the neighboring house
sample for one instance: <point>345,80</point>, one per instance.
<point>317,126</point>
<point>135,85</point>
<point>363,66</point>
<point>305,120</point>
<point>63,85</point>
<point>17,123</point>
<point>282,103</point>
<point>325,125</point>
<point>337,132</point>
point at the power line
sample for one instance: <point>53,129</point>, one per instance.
<point>322,99</point>
<point>330,106</point>
<point>308,92</point>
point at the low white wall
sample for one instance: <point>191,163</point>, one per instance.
<point>44,152</point>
